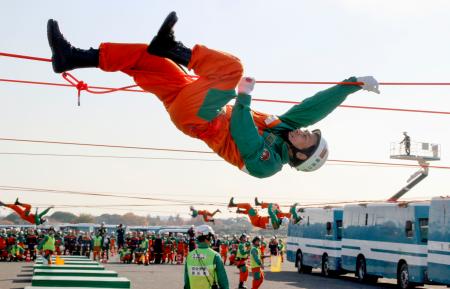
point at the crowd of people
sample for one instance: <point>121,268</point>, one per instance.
<point>18,244</point>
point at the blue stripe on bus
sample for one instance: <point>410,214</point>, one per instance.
<point>398,252</point>
<point>439,252</point>
<point>292,243</point>
<point>351,247</point>
<point>322,247</point>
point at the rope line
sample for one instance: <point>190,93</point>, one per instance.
<point>124,196</point>
<point>27,57</point>
<point>84,86</point>
<point>219,204</point>
<point>338,162</point>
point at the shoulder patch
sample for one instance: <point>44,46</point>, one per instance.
<point>270,119</point>
<point>265,155</point>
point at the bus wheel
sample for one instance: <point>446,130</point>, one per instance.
<point>300,267</point>
<point>403,277</point>
<point>325,266</point>
<point>361,269</point>
<point>299,262</point>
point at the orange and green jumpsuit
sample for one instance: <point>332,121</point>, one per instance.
<point>255,264</point>
<point>224,250</point>
<point>241,261</point>
<point>207,216</point>
<point>24,211</point>
<point>275,209</point>
<point>257,220</point>
<point>250,140</point>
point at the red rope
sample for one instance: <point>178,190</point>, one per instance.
<point>81,85</point>
<point>129,89</point>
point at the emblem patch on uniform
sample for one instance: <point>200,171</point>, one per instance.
<point>265,155</point>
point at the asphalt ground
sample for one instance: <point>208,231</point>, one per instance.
<point>18,275</point>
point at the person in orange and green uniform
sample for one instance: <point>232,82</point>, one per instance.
<point>262,222</point>
<point>224,245</point>
<point>241,260</point>
<point>274,208</point>
<point>24,212</point>
<point>207,216</point>
<point>204,268</point>
<point>47,245</point>
<point>263,246</point>
<point>257,143</point>
<point>256,263</point>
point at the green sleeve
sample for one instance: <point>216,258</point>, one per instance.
<point>43,212</point>
<point>41,244</point>
<point>243,128</point>
<point>256,256</point>
<point>186,277</point>
<point>318,106</point>
<point>222,278</point>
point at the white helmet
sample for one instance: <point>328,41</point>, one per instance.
<point>204,230</point>
<point>317,157</point>
<point>284,221</point>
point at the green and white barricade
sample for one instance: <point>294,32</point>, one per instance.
<point>80,272</point>
<point>72,281</point>
<point>67,267</point>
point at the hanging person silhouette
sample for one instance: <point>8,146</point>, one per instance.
<point>257,143</point>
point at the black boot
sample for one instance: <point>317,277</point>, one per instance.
<point>241,285</point>
<point>165,45</point>
<point>65,56</point>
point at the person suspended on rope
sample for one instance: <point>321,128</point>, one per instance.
<point>24,212</point>
<point>275,209</point>
<point>263,222</point>
<point>407,143</point>
<point>207,216</point>
<point>257,143</point>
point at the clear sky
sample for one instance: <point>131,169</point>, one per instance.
<point>276,40</point>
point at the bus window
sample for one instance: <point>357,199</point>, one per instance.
<point>423,225</point>
<point>339,229</point>
<point>409,229</point>
<point>307,222</point>
<point>329,229</point>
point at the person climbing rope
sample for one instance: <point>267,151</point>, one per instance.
<point>257,143</point>
<point>257,220</point>
<point>24,212</point>
<point>207,216</point>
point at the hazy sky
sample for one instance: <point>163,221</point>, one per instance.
<point>276,40</point>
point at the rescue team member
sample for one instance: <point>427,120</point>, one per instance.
<point>204,268</point>
<point>207,216</point>
<point>256,220</point>
<point>24,212</point>
<point>241,259</point>
<point>295,217</point>
<point>256,263</point>
<point>97,245</point>
<point>47,245</point>
<point>257,143</point>
<point>275,208</point>
<point>224,247</point>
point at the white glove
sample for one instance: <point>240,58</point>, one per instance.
<point>370,83</point>
<point>246,85</point>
